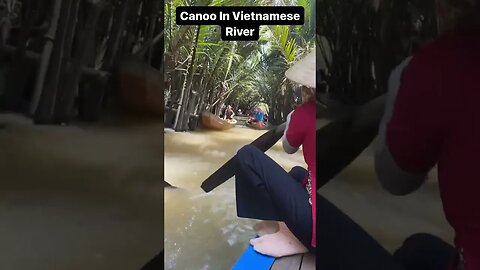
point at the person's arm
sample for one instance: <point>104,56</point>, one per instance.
<point>410,131</point>
<point>294,133</point>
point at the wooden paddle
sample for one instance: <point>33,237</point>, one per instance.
<point>264,142</point>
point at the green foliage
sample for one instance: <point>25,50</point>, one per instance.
<point>239,72</point>
<point>360,44</point>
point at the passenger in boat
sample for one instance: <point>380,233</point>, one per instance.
<point>228,113</point>
<point>253,117</point>
<point>424,124</point>
<point>264,190</point>
<point>258,118</point>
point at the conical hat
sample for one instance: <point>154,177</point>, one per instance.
<point>303,71</point>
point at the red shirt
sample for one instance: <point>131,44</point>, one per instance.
<point>301,131</point>
<point>436,119</point>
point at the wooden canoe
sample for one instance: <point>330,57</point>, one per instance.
<point>212,121</point>
<point>231,121</point>
<point>141,88</point>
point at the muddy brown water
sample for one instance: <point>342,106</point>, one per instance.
<point>76,198</point>
<point>91,198</point>
<point>203,232</point>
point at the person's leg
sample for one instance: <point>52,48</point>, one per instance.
<point>252,197</point>
<point>279,244</point>
<point>268,227</point>
<point>265,191</point>
<point>425,252</point>
<point>344,245</point>
<point>156,263</point>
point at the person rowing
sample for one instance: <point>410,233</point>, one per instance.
<point>424,125</point>
<point>284,200</point>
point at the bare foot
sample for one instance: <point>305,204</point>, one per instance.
<point>266,227</point>
<point>279,244</point>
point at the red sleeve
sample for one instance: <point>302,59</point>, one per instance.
<point>296,130</point>
<point>414,132</point>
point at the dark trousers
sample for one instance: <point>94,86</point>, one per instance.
<point>156,263</point>
<point>265,191</point>
<point>343,245</point>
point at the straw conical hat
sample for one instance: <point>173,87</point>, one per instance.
<point>303,72</point>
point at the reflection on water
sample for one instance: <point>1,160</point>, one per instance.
<point>202,230</point>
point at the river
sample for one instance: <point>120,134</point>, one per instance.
<point>80,197</point>
<point>90,197</point>
<point>203,232</point>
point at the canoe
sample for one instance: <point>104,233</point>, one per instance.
<point>257,125</point>
<point>251,259</point>
<point>231,121</point>
<point>141,88</point>
<point>212,121</point>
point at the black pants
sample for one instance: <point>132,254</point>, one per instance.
<point>343,245</point>
<point>157,263</point>
<point>265,191</point>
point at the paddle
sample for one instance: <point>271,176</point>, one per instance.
<point>264,142</point>
<point>338,143</point>
<point>343,140</point>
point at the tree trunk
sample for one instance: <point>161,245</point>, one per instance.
<point>148,46</point>
<point>185,117</point>
<point>152,24</point>
<point>133,24</point>
<point>202,92</point>
<point>20,68</point>
<point>115,37</point>
<point>46,104</point>
<point>187,82</point>
<point>66,98</point>
<point>72,28</point>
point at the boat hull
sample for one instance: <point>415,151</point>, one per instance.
<point>214,122</point>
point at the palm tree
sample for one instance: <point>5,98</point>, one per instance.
<point>225,71</point>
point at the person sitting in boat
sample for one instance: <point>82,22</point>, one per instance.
<point>228,115</point>
<point>258,118</point>
<point>252,115</point>
<point>285,200</point>
<point>423,126</point>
